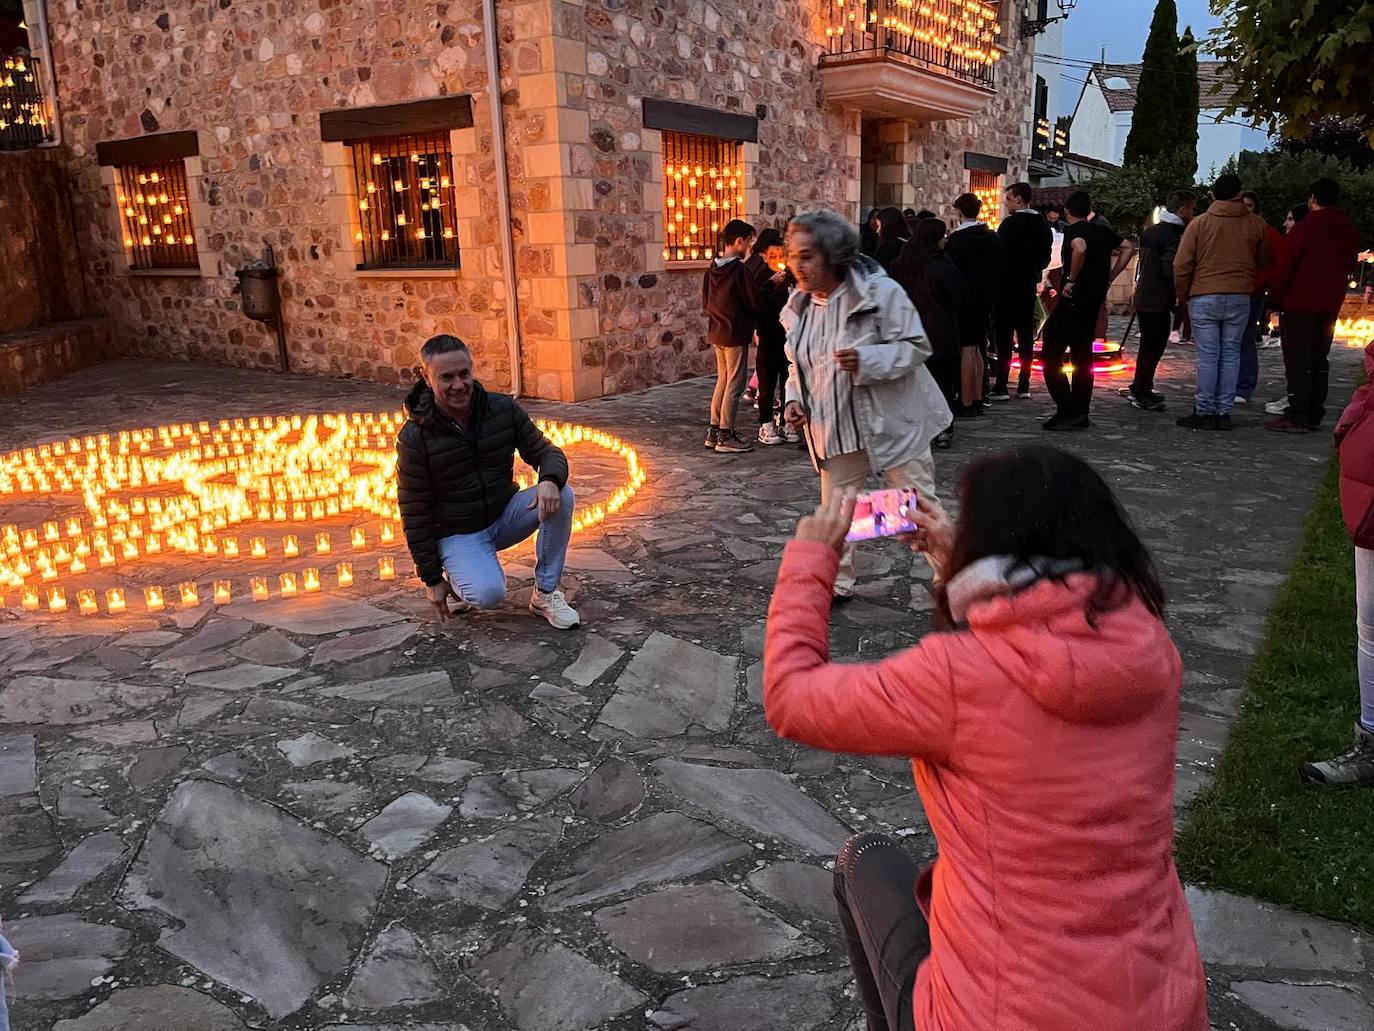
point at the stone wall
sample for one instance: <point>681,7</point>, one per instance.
<point>251,77</point>
<point>599,311</point>
<point>40,270</point>
<point>32,356</point>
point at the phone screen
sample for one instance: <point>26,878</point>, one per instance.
<point>883,513</point>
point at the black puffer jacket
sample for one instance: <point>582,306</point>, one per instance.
<point>448,483</point>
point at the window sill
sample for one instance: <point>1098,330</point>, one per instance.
<point>687,266</point>
<point>408,273</point>
<point>153,273</point>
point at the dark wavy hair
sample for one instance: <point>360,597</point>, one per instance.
<point>1040,502</point>
<point>768,237</point>
<point>891,224</point>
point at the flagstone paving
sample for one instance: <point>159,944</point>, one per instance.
<point>332,812</point>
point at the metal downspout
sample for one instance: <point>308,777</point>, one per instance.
<point>498,143</point>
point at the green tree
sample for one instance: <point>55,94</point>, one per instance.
<point>1282,180</point>
<point>1153,125</point>
<point>1297,61</point>
<point>1187,110</point>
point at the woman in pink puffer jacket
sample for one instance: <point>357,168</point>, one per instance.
<point>1042,731</point>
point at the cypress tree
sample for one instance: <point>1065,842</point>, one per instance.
<point>1188,108</point>
<point>1154,132</point>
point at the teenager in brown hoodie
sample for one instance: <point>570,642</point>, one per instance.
<point>1214,274</point>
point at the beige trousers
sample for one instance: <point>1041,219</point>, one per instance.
<point>846,472</point>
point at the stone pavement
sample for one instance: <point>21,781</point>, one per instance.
<point>333,813</point>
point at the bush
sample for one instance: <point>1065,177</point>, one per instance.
<point>1129,195</point>
<point>1282,180</point>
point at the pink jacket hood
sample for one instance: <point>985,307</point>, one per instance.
<point>1104,674</point>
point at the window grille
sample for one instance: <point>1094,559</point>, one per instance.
<point>407,215</point>
<point>987,187</point>
<point>703,189</point>
<point>23,111</point>
<point>155,214</point>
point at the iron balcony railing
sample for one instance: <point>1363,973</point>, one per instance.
<point>24,119</point>
<point>1049,143</point>
<point>957,37</point>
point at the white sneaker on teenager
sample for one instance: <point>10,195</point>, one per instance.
<point>769,435</point>
<point>1175,337</point>
<point>790,435</point>
<point>555,608</point>
<point>1277,407</point>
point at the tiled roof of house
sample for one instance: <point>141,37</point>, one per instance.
<point>1210,74</point>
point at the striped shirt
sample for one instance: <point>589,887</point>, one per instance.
<point>828,389</point>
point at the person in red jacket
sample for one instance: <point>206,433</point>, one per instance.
<point>1042,731</point>
<point>1308,288</point>
<point>1355,447</point>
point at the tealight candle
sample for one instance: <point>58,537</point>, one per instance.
<point>77,565</point>
<point>386,568</point>
<point>106,557</point>
<point>257,547</point>
<point>190,596</point>
<point>258,584</point>
<point>223,592</point>
<point>73,527</point>
<point>310,579</point>
<point>298,511</point>
<point>152,544</point>
<point>115,600</point>
<point>130,550</point>
<point>288,585</point>
<point>345,574</point>
<point>82,547</point>
<point>289,547</point>
<point>28,599</point>
<point>57,599</point>
<point>30,539</point>
<point>51,532</point>
<point>359,537</point>
<point>387,533</point>
<point>85,602</point>
<point>323,545</point>
<point>209,545</point>
<point>230,547</point>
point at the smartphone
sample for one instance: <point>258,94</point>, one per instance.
<point>883,513</point>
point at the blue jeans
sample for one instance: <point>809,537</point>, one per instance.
<point>1249,350</point>
<point>470,563</point>
<point>1218,328</point>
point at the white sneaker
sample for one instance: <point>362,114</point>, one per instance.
<point>1277,407</point>
<point>769,435</point>
<point>1240,400</point>
<point>1174,337</point>
<point>555,608</point>
<point>790,435</point>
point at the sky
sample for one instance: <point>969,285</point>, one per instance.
<point>1122,25</point>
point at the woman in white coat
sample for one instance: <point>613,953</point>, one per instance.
<point>858,386</point>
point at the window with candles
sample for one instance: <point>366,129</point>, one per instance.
<point>987,187</point>
<point>407,216</point>
<point>155,215</point>
<point>703,189</point>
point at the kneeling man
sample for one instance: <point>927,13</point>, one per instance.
<point>460,504</point>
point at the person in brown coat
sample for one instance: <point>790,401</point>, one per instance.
<point>1214,274</point>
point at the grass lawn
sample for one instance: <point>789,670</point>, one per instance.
<point>1258,829</point>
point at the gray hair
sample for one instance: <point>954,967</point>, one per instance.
<point>444,343</point>
<point>830,234</point>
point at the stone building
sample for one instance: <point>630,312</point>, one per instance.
<point>549,222</point>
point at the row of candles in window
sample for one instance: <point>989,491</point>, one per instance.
<point>971,22</point>
<point>289,585</point>
<point>29,555</point>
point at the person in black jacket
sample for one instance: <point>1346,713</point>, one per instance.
<point>892,237</point>
<point>727,295</point>
<point>939,292</point>
<point>460,504</point>
<point>773,282</point>
<point>1155,298</point>
<point>1028,239</point>
<point>981,256</point>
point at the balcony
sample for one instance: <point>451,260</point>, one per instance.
<point>924,60</point>
<point>1049,145</point>
<point>24,121</point>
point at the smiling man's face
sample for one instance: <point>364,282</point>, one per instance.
<point>449,375</point>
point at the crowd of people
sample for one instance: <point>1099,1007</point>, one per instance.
<point>1042,722</point>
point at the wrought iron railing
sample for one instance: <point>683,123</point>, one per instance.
<point>24,117</point>
<point>958,37</point>
<point>1049,143</point>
